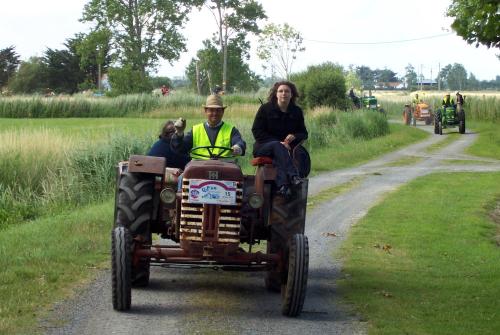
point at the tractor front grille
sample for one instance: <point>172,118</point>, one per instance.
<point>210,223</point>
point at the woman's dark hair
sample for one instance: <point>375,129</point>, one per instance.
<point>272,92</point>
<point>168,130</point>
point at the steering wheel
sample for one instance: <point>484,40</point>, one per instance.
<point>210,149</point>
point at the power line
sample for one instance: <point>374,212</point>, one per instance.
<point>381,42</point>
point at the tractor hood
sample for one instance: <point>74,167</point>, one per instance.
<point>213,169</point>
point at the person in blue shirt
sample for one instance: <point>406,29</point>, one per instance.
<point>162,148</point>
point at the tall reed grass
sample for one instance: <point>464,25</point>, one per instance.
<point>43,170</point>
<point>479,106</point>
<point>127,105</point>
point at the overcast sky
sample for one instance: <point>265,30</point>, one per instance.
<point>33,25</point>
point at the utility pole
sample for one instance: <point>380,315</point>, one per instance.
<point>421,77</point>
<point>431,78</point>
<point>439,78</point>
<point>198,78</point>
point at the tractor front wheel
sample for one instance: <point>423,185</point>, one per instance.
<point>134,211</point>
<point>121,268</point>
<point>293,288</point>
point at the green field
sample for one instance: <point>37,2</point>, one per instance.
<point>57,177</point>
<point>488,142</point>
<point>431,268</point>
<point>52,164</point>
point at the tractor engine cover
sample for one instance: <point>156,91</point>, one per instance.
<point>210,218</point>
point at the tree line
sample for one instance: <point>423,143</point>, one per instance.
<point>128,39</point>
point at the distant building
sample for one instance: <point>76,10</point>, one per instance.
<point>426,82</point>
<point>392,85</point>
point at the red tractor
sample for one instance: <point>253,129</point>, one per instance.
<point>214,216</point>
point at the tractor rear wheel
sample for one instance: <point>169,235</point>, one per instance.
<point>134,211</point>
<point>437,121</point>
<point>294,285</point>
<point>440,125</point>
<point>287,218</point>
<point>121,268</point>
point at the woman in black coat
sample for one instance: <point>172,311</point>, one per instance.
<point>279,127</point>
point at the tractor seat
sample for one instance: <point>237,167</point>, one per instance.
<point>262,160</point>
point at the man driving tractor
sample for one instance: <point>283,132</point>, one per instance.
<point>213,132</point>
<point>447,101</point>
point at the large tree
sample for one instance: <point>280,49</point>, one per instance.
<point>410,76</point>
<point>367,76</point>
<point>94,52</point>
<point>443,76</point>
<point>322,85</point>
<point>9,60</point>
<point>477,21</point>
<point>352,79</point>
<point>30,78</point>
<point>278,45</point>
<point>63,67</point>
<point>203,75</point>
<point>143,31</point>
<point>234,19</point>
<point>385,76</point>
<point>457,77</point>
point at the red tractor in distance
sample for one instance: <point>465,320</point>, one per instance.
<point>213,218</point>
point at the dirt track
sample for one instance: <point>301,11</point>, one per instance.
<point>182,301</point>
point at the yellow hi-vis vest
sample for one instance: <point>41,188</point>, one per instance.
<point>200,139</point>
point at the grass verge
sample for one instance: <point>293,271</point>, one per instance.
<point>431,268</point>
<point>356,152</point>
<point>45,260</point>
<point>488,142</point>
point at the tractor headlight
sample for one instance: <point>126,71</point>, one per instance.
<point>167,195</point>
<point>255,201</point>
<point>378,105</point>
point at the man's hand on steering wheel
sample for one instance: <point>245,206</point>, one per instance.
<point>210,149</point>
<point>236,150</point>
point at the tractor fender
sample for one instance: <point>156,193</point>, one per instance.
<point>146,164</point>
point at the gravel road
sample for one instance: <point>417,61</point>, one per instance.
<point>181,301</point>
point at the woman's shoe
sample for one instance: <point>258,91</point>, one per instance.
<point>284,191</point>
<point>296,180</point>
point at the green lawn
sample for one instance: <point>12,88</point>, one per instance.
<point>45,260</point>
<point>488,143</point>
<point>357,152</point>
<point>425,261</point>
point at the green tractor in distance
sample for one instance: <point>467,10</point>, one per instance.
<point>371,103</point>
<point>449,117</point>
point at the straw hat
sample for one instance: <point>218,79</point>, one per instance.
<point>214,101</point>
